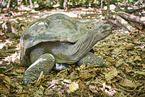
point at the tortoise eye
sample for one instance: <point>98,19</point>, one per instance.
<point>104,27</point>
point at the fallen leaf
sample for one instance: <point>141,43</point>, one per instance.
<point>6,78</point>
<point>110,75</point>
<point>73,86</point>
<point>129,83</point>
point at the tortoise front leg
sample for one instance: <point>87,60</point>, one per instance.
<point>92,59</point>
<point>44,63</point>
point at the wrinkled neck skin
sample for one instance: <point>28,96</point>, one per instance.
<point>85,44</point>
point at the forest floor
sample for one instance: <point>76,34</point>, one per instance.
<point>123,51</point>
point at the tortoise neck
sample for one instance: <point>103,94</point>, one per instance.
<point>85,44</point>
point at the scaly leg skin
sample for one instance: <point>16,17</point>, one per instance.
<point>89,58</point>
<point>92,59</point>
<point>44,63</point>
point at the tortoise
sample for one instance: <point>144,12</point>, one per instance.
<point>57,41</point>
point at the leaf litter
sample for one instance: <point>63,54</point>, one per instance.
<point>123,76</point>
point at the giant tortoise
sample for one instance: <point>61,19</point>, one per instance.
<point>59,40</point>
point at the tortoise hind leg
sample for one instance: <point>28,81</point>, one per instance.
<point>92,59</point>
<point>44,63</point>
